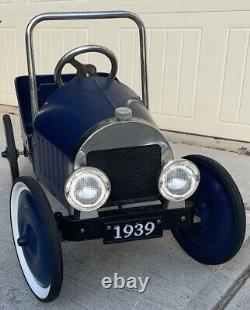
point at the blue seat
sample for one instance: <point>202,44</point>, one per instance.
<point>45,87</point>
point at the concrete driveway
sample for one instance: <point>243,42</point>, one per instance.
<point>176,280</point>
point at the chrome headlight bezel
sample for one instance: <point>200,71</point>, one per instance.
<point>78,175</point>
<point>188,167</point>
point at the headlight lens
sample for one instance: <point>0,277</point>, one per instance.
<point>87,189</point>
<point>178,180</point>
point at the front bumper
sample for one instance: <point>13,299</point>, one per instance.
<point>73,229</point>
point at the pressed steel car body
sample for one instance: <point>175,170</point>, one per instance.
<point>93,144</point>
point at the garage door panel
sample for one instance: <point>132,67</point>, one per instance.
<point>237,49</point>
<point>199,62</point>
<point>172,71</point>
<point>244,113</point>
<point>137,67</point>
<point>4,67</point>
<point>180,64</point>
<point>188,125</point>
<point>188,72</point>
<point>51,44</point>
<point>8,58</point>
<point>127,51</point>
<point>156,51</point>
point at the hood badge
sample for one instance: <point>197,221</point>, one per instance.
<point>123,113</point>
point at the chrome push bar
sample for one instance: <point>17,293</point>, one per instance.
<point>81,16</point>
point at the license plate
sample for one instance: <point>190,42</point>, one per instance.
<point>132,230</point>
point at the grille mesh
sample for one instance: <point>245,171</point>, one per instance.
<point>133,172</point>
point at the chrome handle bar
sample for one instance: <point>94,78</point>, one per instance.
<point>82,15</point>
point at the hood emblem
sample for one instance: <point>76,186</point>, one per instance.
<point>123,113</point>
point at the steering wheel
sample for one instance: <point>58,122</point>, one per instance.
<point>84,70</point>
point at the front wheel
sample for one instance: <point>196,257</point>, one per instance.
<point>218,203</point>
<point>36,239</point>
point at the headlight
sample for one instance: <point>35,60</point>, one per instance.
<point>178,180</point>
<point>87,189</point>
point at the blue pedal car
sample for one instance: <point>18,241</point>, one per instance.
<point>93,145</point>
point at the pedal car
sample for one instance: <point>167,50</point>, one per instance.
<point>93,145</point>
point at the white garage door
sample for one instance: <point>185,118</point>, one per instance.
<point>198,53</point>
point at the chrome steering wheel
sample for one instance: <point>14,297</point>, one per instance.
<point>84,70</point>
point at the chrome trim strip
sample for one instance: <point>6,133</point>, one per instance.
<point>82,15</point>
<point>111,134</point>
<point>141,204</point>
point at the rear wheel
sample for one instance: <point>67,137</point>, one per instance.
<point>11,152</point>
<point>36,239</point>
<point>218,203</point>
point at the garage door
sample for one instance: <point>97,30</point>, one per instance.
<point>198,53</point>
